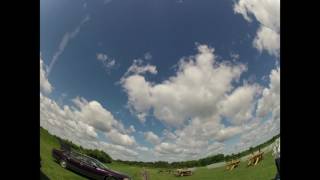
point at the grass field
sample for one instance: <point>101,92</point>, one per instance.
<point>263,171</point>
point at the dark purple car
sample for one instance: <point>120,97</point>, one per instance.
<point>86,166</point>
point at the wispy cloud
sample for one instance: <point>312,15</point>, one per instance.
<point>107,1</point>
<point>108,63</point>
<point>147,56</point>
<point>64,42</point>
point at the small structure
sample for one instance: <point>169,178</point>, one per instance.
<point>255,159</point>
<point>232,164</point>
<point>145,174</point>
<point>183,172</point>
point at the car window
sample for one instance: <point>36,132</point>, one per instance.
<point>88,160</point>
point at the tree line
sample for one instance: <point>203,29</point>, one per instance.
<point>105,158</point>
<point>95,153</point>
<point>200,162</point>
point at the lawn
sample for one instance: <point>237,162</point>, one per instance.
<point>263,171</point>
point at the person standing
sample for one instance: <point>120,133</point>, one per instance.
<point>276,155</point>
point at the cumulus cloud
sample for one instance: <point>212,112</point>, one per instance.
<point>45,85</point>
<point>151,137</point>
<point>227,133</point>
<point>195,101</point>
<point>260,133</point>
<point>122,139</point>
<point>95,115</point>
<point>268,107</point>
<point>131,129</point>
<point>81,123</point>
<point>142,148</point>
<point>118,152</point>
<point>194,91</point>
<point>268,40</point>
<point>270,100</point>
<point>267,13</point>
<point>239,105</point>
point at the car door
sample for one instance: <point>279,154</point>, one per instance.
<point>77,164</point>
<point>74,164</point>
<point>91,171</point>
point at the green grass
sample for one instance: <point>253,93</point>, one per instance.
<point>48,166</point>
<point>263,171</point>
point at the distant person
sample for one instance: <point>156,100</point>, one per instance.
<point>276,155</point>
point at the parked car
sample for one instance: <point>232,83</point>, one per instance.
<point>87,166</point>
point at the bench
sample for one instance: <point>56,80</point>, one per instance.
<point>183,172</point>
<point>232,164</point>
<point>255,159</point>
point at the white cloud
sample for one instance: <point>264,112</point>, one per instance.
<point>268,40</point>
<point>147,56</point>
<point>62,121</point>
<point>267,13</point>
<point>239,105</point>
<point>142,148</point>
<point>81,122</point>
<point>137,67</point>
<point>121,139</point>
<point>168,135</point>
<point>270,100</point>
<point>195,101</point>
<point>95,115</point>
<point>198,86</point>
<point>64,42</point>
<point>107,62</point>
<point>45,85</point>
<point>118,152</point>
<point>227,133</point>
<point>260,133</point>
<point>234,56</point>
<point>151,137</point>
<point>168,148</point>
<point>131,129</point>
<point>269,103</point>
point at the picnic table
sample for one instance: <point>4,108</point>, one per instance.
<point>183,172</point>
<point>255,159</point>
<point>232,164</point>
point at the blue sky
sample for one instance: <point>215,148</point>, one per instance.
<point>88,47</point>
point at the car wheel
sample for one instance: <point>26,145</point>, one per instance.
<point>63,163</point>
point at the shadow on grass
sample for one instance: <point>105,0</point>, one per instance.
<point>43,176</point>
<point>75,172</point>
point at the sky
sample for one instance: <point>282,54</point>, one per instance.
<point>151,80</point>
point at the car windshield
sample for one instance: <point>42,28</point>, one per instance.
<point>98,164</point>
<point>88,160</point>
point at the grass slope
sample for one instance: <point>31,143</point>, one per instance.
<point>48,166</point>
<point>263,171</point>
